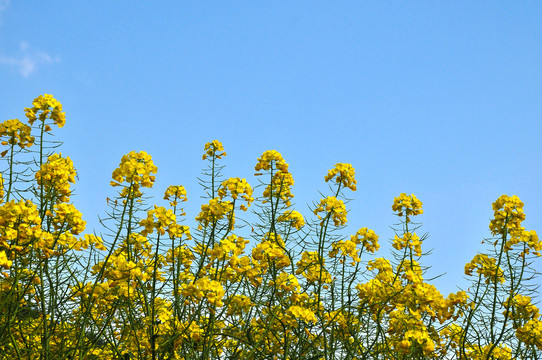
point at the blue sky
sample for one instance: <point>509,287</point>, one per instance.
<point>439,99</point>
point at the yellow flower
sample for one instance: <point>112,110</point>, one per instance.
<point>270,158</point>
<point>55,177</point>
<point>17,134</point>
<point>50,109</point>
<point>508,214</point>
<point>177,192</point>
<point>411,241</point>
<point>345,176</point>
<point>332,206</point>
<point>280,187</point>
<point>301,313</point>
<point>4,261</point>
<point>204,288</point>
<point>407,204</point>
<point>214,211</point>
<point>236,187</point>
<point>293,217</point>
<point>135,168</point>
<point>309,266</point>
<point>368,238</point>
<point>213,149</point>
<point>485,266</point>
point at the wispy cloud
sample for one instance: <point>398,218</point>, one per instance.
<point>4,4</point>
<point>29,59</point>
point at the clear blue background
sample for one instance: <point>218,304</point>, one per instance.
<point>439,99</point>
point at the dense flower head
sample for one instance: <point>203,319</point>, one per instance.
<point>50,109</point>
<point>499,352</point>
<point>4,261</point>
<point>301,313</point>
<point>270,158</point>
<point>20,225</point>
<point>65,217</point>
<point>368,238</point>
<point>333,206</point>
<point>55,177</point>
<point>285,282</point>
<point>239,304</point>
<point>408,240</point>
<point>529,241</point>
<point>226,249</point>
<point>508,214</point>
<point>213,149</point>
<point>531,333</point>
<point>346,248</point>
<point>214,211</point>
<point>175,194</point>
<point>17,133</point>
<point>163,220</point>
<point>293,217</point>
<point>407,204</point>
<point>280,187</point>
<point>236,187</point>
<point>521,308</point>
<point>135,168</point>
<point>486,266</point>
<point>205,288</point>
<point>271,250</point>
<point>345,175</point>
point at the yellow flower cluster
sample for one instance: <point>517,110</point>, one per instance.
<point>214,211</point>
<point>55,177</point>
<point>178,193</point>
<point>270,158</point>
<point>508,214</point>
<point>280,187</point>
<point>529,240</point>
<point>408,204</point>
<point>271,250</point>
<point>135,168</point>
<point>236,187</point>
<point>312,267</point>
<point>301,313</point>
<point>66,218</point>
<point>332,207</point>
<point>50,109</point>
<point>486,266</point>
<point>19,224</point>
<point>293,217</point>
<point>522,309</point>
<point>408,240</point>
<point>347,248</point>
<point>406,331</point>
<point>212,149</point>
<point>165,221</point>
<point>204,288</point>
<point>368,238</point>
<point>482,352</point>
<point>531,333</point>
<point>4,261</point>
<point>228,249</point>
<point>239,305</point>
<point>285,283</point>
<point>17,133</point>
<point>346,175</point>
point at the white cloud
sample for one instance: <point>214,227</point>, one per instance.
<point>29,59</point>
